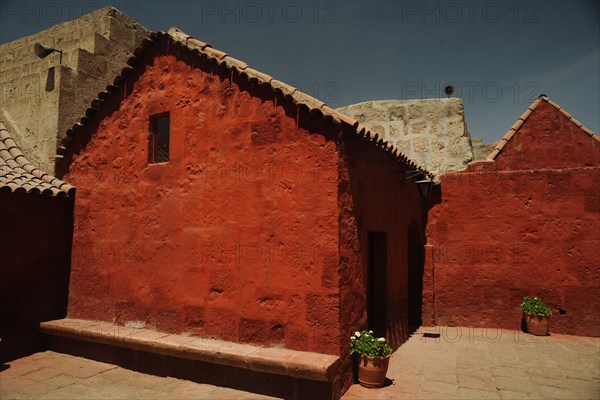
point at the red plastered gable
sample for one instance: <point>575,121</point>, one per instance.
<point>549,138</point>
<point>230,238</point>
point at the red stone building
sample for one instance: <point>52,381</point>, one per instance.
<point>35,249</point>
<point>523,222</point>
<point>217,201</point>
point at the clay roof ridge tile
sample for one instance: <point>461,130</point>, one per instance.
<point>493,154</point>
<point>588,131</point>
<point>313,103</point>
<point>176,31</point>
<point>509,135</point>
<point>553,103</point>
<point>566,114</point>
<point>525,115</point>
<point>517,125</point>
<point>251,72</point>
<point>576,122</point>
<point>214,53</point>
<point>231,63</point>
<point>533,105</point>
<point>285,88</point>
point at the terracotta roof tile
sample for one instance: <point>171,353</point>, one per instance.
<point>517,125</point>
<point>18,175</point>
<point>493,154</point>
<point>176,31</point>
<point>234,63</point>
<point>299,98</point>
<point>566,114</point>
<point>284,87</point>
<point>552,103</point>
<point>214,53</point>
<point>262,78</point>
<point>586,130</point>
<point>508,135</point>
<point>579,124</point>
<point>342,117</point>
<point>526,114</point>
<point>515,128</point>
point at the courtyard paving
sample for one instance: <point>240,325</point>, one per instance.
<point>436,363</point>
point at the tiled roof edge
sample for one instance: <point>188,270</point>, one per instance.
<point>201,48</point>
<point>17,174</point>
<point>517,125</point>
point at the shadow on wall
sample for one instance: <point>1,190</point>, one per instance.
<point>415,258</point>
<point>35,248</point>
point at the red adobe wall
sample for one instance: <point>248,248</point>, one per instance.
<point>548,139</point>
<point>373,199</point>
<point>235,237</point>
<point>526,223</point>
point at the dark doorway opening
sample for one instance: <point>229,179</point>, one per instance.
<point>415,277</point>
<point>377,283</point>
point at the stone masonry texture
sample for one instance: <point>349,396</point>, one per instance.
<point>481,150</point>
<point>430,132</point>
<point>42,98</point>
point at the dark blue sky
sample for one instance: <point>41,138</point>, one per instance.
<point>500,55</point>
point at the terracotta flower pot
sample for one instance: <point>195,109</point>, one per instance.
<point>372,371</point>
<point>537,324</point>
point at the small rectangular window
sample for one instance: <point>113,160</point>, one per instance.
<point>158,140</point>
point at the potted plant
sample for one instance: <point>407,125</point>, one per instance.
<point>374,357</point>
<point>537,316</point>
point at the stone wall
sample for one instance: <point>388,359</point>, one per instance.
<point>42,98</point>
<point>430,132</point>
<point>481,150</point>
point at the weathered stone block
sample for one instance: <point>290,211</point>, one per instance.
<point>31,88</point>
<point>397,113</point>
<point>435,119</point>
<point>418,128</point>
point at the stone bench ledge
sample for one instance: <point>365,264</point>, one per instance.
<point>298,364</point>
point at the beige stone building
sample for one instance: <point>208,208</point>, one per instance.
<point>432,132</point>
<point>41,98</point>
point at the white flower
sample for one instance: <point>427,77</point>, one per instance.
<point>371,332</point>
<point>357,334</point>
<point>381,339</point>
<point>352,338</point>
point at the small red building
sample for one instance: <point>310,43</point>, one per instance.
<point>523,222</point>
<point>217,201</point>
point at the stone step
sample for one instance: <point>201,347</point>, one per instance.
<point>309,373</point>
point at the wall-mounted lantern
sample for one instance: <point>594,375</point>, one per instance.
<point>425,184</point>
<point>42,51</point>
<point>425,187</point>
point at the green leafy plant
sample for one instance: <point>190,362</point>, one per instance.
<point>533,305</point>
<point>364,343</point>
